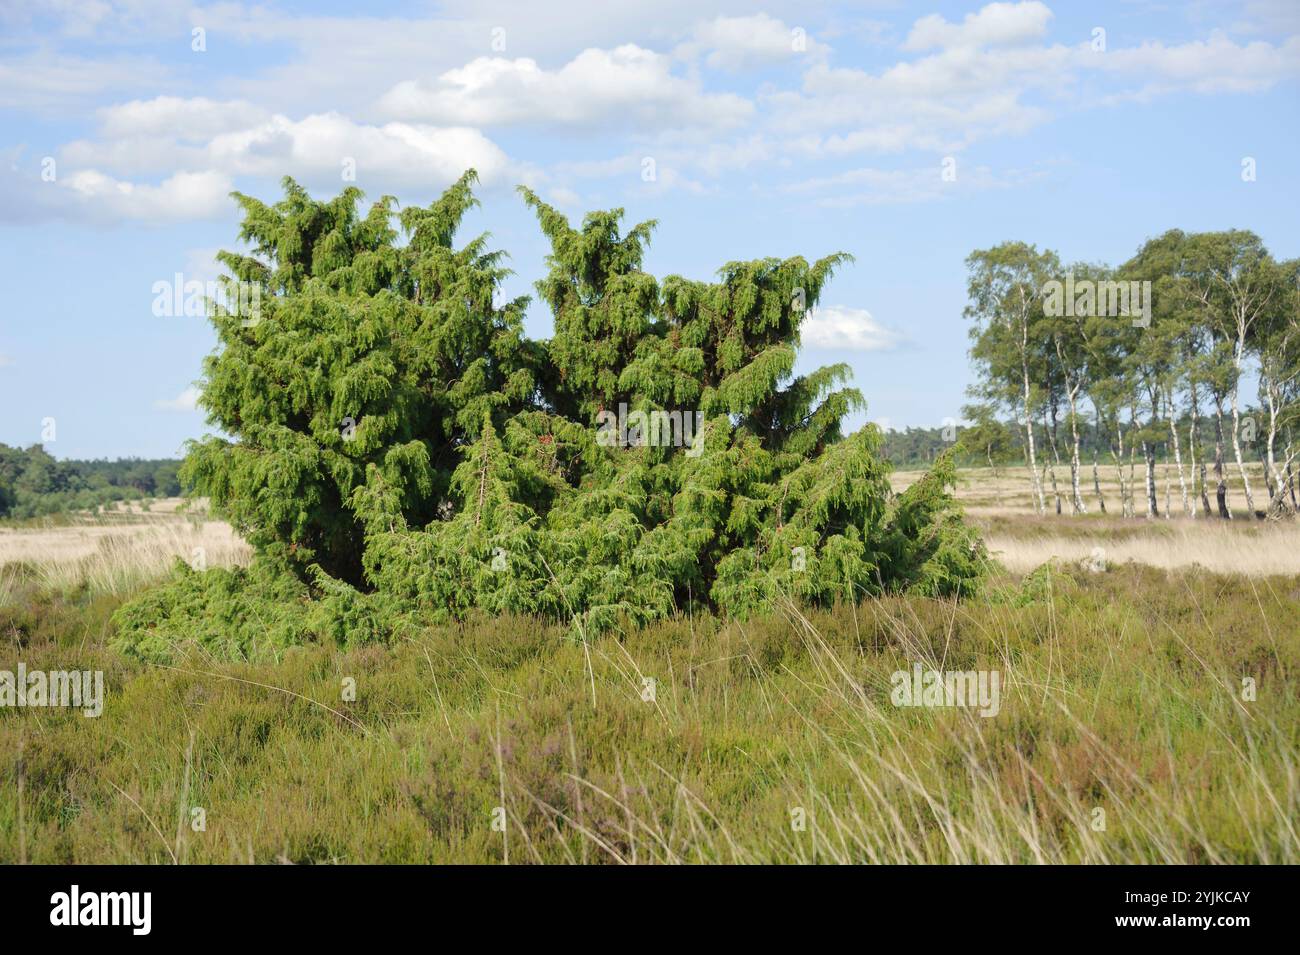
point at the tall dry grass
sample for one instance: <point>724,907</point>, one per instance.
<point>1001,504</point>
<point>1255,549</point>
<point>115,552</point>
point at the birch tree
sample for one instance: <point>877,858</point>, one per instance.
<point>1009,344</point>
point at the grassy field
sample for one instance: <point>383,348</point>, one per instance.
<point>1001,505</point>
<point>1149,712</point>
<point>116,551</point>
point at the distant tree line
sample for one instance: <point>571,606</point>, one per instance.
<point>988,442</point>
<point>1150,359</point>
<point>34,484</point>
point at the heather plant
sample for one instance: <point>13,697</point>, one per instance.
<point>398,452</point>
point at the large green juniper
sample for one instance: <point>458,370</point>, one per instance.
<point>402,453</point>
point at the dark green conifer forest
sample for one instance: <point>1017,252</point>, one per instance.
<point>33,484</point>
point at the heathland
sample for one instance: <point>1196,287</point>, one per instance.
<point>448,622</point>
<point>1149,712</point>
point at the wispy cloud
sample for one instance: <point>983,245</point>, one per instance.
<point>187,400</point>
<point>749,42</point>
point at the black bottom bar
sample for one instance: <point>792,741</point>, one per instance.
<point>335,904</point>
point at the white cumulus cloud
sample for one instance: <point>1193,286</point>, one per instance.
<point>180,197</point>
<point>846,329</point>
<point>99,179</point>
<point>998,24</point>
<point>175,117</point>
<point>402,154</point>
<point>629,86</point>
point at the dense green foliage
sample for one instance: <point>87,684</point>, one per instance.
<point>34,484</point>
<point>403,453</point>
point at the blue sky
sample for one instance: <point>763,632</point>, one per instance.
<point>776,128</point>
